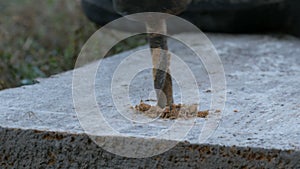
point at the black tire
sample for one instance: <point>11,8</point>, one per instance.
<point>100,12</point>
<point>292,21</point>
<point>246,17</point>
<point>239,16</point>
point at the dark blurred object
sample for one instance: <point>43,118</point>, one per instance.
<point>126,7</point>
<point>239,16</point>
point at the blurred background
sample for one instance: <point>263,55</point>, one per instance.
<point>42,38</point>
<point>39,38</point>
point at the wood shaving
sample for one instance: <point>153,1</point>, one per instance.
<point>203,114</point>
<point>174,112</point>
<point>143,107</point>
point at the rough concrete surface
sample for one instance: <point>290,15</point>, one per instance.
<point>260,126</point>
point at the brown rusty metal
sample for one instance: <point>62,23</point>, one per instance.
<point>157,30</point>
<point>161,63</point>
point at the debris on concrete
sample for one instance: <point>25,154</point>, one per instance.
<point>173,112</point>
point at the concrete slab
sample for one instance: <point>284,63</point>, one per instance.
<point>260,124</point>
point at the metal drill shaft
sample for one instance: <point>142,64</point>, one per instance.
<point>161,62</point>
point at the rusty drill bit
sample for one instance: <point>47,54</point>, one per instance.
<point>161,63</point>
<point>158,42</point>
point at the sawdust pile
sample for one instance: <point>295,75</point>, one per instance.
<point>173,112</point>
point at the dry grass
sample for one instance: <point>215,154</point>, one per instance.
<point>39,38</point>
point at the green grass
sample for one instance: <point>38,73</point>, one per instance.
<point>39,38</point>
